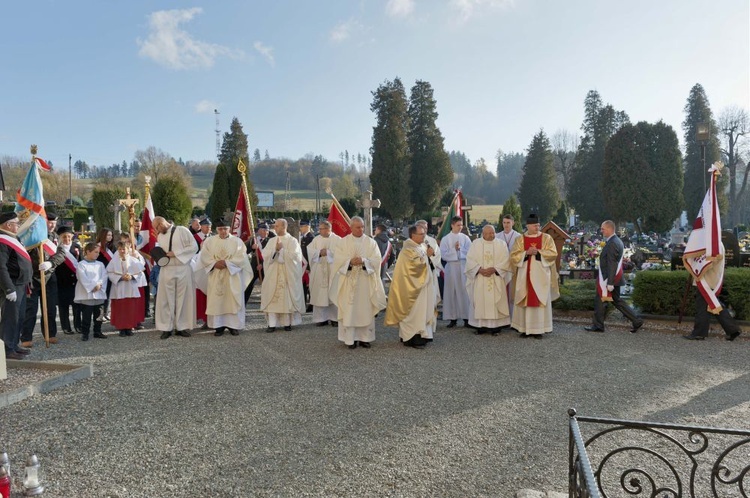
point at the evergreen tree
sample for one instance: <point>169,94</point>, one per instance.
<point>697,180</point>
<point>391,169</point>
<point>585,189</point>
<point>233,149</point>
<point>538,192</point>
<point>513,208</point>
<point>256,156</point>
<point>509,171</point>
<point>643,169</point>
<point>430,165</point>
<point>267,156</point>
<point>219,202</point>
<point>171,200</point>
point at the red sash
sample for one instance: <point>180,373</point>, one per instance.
<point>386,255</point>
<point>17,246</point>
<point>71,262</point>
<point>601,283</point>
<point>532,300</point>
<point>107,254</point>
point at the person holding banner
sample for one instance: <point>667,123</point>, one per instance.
<point>54,256</point>
<point>66,281</point>
<point>609,282</point>
<point>15,276</point>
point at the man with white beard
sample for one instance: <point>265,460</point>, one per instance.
<point>454,248</point>
<point>281,296</point>
<point>321,252</point>
<point>356,288</point>
<point>225,260</point>
<point>487,272</point>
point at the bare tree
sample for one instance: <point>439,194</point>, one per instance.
<point>564,146</point>
<point>155,163</point>
<point>734,124</point>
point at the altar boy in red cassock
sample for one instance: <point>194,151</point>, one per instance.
<point>125,297</point>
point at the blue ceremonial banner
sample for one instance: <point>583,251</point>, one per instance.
<point>30,209</point>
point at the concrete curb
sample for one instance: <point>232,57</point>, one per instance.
<point>69,374</point>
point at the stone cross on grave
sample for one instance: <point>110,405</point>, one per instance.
<point>367,203</point>
<point>129,204</point>
<point>116,209</point>
<point>582,246</point>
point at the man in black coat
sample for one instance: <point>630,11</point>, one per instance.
<point>256,260</point>
<point>305,238</point>
<point>54,256</point>
<point>67,280</point>
<point>610,280</point>
<point>15,277</point>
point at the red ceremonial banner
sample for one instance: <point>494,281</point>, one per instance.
<point>339,225</point>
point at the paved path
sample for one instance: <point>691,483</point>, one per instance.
<point>297,413</point>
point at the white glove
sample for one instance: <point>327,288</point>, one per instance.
<point>12,297</point>
<point>610,288</point>
<point>45,266</point>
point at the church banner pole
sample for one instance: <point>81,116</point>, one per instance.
<point>43,288</point>
<point>251,224</point>
<point>338,205</point>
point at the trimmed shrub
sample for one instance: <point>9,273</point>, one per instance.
<point>576,295</point>
<point>661,292</point>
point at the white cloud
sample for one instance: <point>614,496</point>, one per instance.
<point>205,106</point>
<point>171,46</point>
<point>467,8</point>
<point>399,8</point>
<point>265,51</point>
<point>345,29</point>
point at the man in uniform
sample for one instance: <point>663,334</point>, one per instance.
<point>225,261</point>
<point>411,298</point>
<point>66,281</point>
<point>175,298</point>
<point>281,295</point>
<point>487,271</point>
<point>534,257</point>
<point>305,237</point>
<point>254,247</point>
<point>15,277</point>
<point>357,289</point>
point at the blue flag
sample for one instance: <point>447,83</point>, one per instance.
<point>30,209</point>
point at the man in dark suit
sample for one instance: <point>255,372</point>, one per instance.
<point>67,280</point>
<point>610,280</point>
<point>256,259</point>
<point>305,237</point>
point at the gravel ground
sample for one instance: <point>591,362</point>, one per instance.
<point>298,414</point>
<point>20,377</point>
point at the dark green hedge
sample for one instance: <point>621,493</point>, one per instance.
<point>660,292</point>
<point>576,295</point>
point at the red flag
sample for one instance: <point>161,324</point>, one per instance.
<point>42,164</point>
<point>338,220</point>
<point>148,232</point>
<point>240,224</point>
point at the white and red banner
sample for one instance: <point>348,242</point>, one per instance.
<point>241,222</point>
<point>704,247</point>
<point>148,232</point>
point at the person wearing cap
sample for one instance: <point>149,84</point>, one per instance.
<point>305,238</point>
<point>54,256</point>
<point>66,281</point>
<point>454,247</point>
<point>204,232</point>
<point>534,258</point>
<point>254,247</point>
<point>15,276</point>
<point>281,295</point>
<point>224,260</point>
<point>175,298</point>
<point>321,251</point>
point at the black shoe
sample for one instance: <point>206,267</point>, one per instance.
<point>288,328</point>
<point>68,332</point>
<point>219,332</point>
<point>309,308</point>
<point>183,333</point>
<point>636,326</point>
<point>496,331</point>
<point>129,332</point>
<point>691,337</point>
<point>353,346</point>
<point>733,336</point>
<point>538,336</point>
<point>166,334</point>
<point>592,328</point>
<point>452,324</point>
<point>466,324</point>
<point>334,324</point>
<point>14,356</point>
<point>365,345</point>
<point>524,335</point>
<point>23,351</point>
<point>139,327</point>
<point>123,333</point>
<point>321,324</point>
<point>99,335</point>
<point>205,326</point>
<point>84,337</point>
<point>234,331</point>
<point>271,329</point>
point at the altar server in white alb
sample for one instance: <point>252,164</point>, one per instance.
<point>356,287</point>
<point>175,298</point>
<point>321,251</point>
<point>454,248</point>
<point>487,273</point>
<point>224,259</point>
<point>125,296</point>
<point>282,298</point>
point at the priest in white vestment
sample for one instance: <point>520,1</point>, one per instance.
<point>487,273</point>
<point>533,256</point>
<point>282,298</point>
<point>454,248</point>
<point>175,296</point>
<point>411,298</point>
<point>433,252</point>
<point>356,288</point>
<point>321,251</point>
<point>224,258</point>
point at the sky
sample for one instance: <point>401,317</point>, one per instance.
<point>100,80</point>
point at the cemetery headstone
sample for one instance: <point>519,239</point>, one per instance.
<point>559,236</point>
<point>731,248</point>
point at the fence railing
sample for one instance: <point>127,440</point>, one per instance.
<point>643,459</point>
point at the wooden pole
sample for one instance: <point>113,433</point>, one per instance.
<point>250,222</point>
<point>338,205</point>
<point>42,279</point>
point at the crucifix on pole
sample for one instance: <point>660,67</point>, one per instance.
<point>129,204</point>
<point>367,203</point>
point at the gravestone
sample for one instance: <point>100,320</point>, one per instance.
<point>731,248</point>
<point>559,236</point>
<point>745,260</point>
<point>676,262</point>
<point>292,227</point>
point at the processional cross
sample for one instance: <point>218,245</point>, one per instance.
<point>129,204</point>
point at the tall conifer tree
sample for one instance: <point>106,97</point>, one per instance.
<point>220,201</point>
<point>538,192</point>
<point>234,148</point>
<point>391,169</point>
<point>431,171</point>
